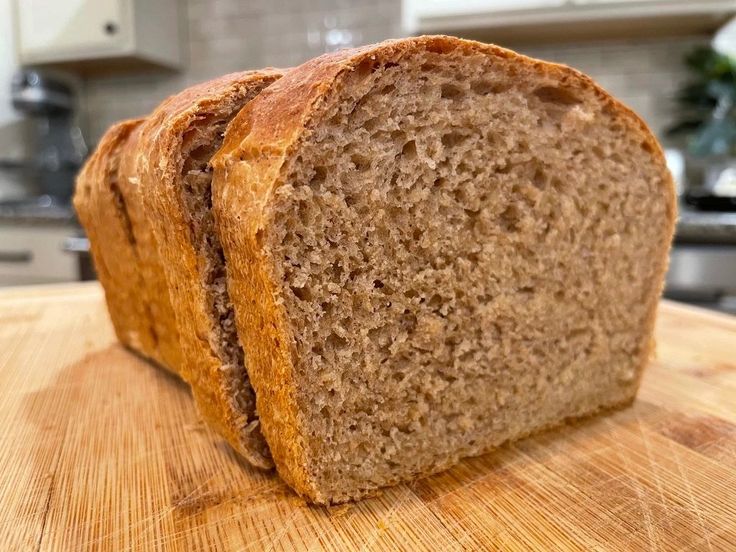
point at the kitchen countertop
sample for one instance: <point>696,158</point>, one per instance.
<point>102,451</point>
<point>33,214</point>
<point>705,226</point>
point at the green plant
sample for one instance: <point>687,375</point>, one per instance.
<point>708,104</point>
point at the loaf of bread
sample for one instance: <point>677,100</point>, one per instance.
<point>399,256</point>
<point>108,206</point>
<point>177,141</point>
<point>435,246</point>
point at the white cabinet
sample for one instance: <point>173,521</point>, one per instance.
<point>98,33</point>
<point>614,2</point>
<point>427,9</point>
<point>36,255</point>
<point>509,20</point>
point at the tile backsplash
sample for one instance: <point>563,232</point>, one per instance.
<point>643,74</point>
<point>231,35</point>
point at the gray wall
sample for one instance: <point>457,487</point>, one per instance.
<point>231,35</point>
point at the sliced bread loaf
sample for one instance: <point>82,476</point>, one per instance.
<point>174,150</point>
<point>101,200</point>
<point>434,246</point>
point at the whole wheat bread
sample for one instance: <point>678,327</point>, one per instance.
<point>434,246</point>
<point>177,141</point>
<point>107,208</point>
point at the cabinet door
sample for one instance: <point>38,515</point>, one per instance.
<point>624,2</point>
<point>51,29</point>
<point>35,255</point>
<point>451,7</point>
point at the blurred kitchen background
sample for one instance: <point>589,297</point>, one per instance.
<point>70,68</point>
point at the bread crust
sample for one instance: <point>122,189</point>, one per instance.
<point>160,164</point>
<point>250,167</point>
<point>153,290</point>
<point>104,212</point>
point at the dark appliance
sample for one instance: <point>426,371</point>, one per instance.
<point>56,141</point>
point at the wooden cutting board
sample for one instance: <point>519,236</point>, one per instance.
<point>101,451</point>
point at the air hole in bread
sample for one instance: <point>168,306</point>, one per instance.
<point>409,150</point>
<point>452,139</point>
<point>509,219</point>
<point>301,293</point>
<point>365,68</point>
<point>361,162</point>
<point>371,124</point>
<point>319,176</point>
<point>556,95</point>
<point>598,151</point>
<point>540,178</point>
<point>485,87</point>
<point>335,342</point>
<point>451,91</point>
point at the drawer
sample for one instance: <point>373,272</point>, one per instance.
<point>35,255</point>
<point>702,268</point>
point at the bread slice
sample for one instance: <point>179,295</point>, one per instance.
<point>435,246</point>
<point>102,202</point>
<point>154,291</point>
<point>176,144</point>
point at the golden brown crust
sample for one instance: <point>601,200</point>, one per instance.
<point>104,213</point>
<point>154,291</point>
<point>267,347</point>
<point>248,169</point>
<point>160,165</point>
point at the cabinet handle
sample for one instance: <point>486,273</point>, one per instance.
<point>16,256</point>
<point>76,245</point>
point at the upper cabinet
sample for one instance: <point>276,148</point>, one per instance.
<point>91,35</point>
<point>550,20</point>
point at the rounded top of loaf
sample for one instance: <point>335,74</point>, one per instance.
<point>268,127</point>
<point>112,139</point>
<point>164,128</point>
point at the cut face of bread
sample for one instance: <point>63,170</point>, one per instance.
<point>105,214</point>
<point>177,142</point>
<point>435,246</point>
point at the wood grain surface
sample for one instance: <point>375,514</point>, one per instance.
<point>101,451</point>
